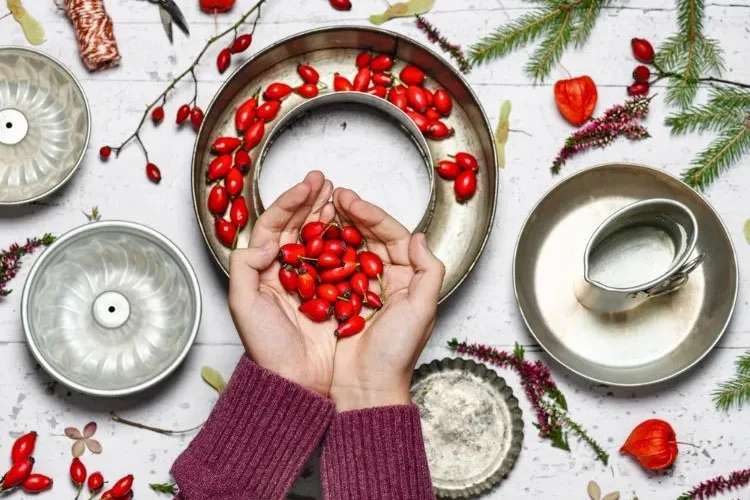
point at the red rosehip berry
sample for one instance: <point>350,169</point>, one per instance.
<point>157,115</point>
<point>153,173</point>
<point>641,73</point>
<point>642,50</point>
<point>183,113</point>
<point>105,152</point>
<point>638,89</point>
<point>196,118</point>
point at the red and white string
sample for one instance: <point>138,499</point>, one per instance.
<point>94,32</point>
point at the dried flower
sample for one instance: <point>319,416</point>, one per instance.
<point>719,484</point>
<point>600,132</point>
<point>10,259</point>
<point>452,49</point>
<point>548,402</point>
<point>83,441</point>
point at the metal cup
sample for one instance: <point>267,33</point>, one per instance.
<point>669,217</point>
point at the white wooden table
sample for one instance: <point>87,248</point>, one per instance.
<point>483,310</point>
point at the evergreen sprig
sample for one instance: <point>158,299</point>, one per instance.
<point>688,55</point>
<point>558,23</point>
<point>735,392</point>
<point>727,113</point>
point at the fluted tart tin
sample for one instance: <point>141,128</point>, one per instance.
<point>662,337</point>
<point>111,308</point>
<point>45,125</point>
<point>472,425</point>
<point>456,232</point>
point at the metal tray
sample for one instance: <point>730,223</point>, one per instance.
<point>457,233</point>
<point>44,125</point>
<point>111,308</point>
<point>652,343</point>
<point>472,425</point>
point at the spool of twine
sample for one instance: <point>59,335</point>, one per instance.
<point>94,32</point>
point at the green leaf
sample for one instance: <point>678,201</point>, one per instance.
<point>518,352</point>
<point>559,439</point>
<point>213,378</point>
<point>501,132</point>
<point>168,488</point>
<point>558,398</point>
<point>31,28</point>
<point>403,9</point>
<point>746,230</point>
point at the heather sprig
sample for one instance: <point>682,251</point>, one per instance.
<point>719,484</point>
<point>10,259</point>
<point>549,404</point>
<point>619,120</point>
<point>452,49</point>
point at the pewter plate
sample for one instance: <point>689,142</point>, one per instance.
<point>654,342</point>
<point>471,423</point>
<point>111,308</point>
<point>456,233</point>
<point>44,125</point>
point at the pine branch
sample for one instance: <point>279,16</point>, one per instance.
<point>558,23</point>
<point>743,364</point>
<point>687,55</point>
<point>727,149</point>
<point>733,393</point>
<point>725,109</point>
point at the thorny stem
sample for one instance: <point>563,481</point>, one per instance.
<point>159,430</point>
<point>710,79</point>
<point>189,71</point>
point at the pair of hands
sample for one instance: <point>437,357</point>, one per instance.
<point>370,369</point>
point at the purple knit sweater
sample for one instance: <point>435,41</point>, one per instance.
<point>264,428</point>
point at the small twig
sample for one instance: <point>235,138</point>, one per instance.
<point>159,430</point>
<point>162,97</point>
<point>709,79</point>
<point>5,15</point>
<point>520,131</point>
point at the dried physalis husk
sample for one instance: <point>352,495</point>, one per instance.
<point>615,495</point>
<point>403,9</point>
<point>30,26</point>
<point>595,492</point>
<point>213,378</point>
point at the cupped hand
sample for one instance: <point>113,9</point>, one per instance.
<point>374,368</point>
<point>275,334</point>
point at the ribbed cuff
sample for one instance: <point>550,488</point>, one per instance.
<point>376,454</point>
<point>258,437</point>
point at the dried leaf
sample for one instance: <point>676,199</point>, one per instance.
<point>746,230</point>
<point>213,378</point>
<point>89,430</point>
<point>501,133</point>
<point>30,26</point>
<point>615,495</point>
<point>403,9</point>
<point>73,433</point>
<point>78,448</point>
<point>595,493</point>
<point>94,446</point>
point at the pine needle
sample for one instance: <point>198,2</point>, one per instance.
<point>733,393</point>
<point>743,364</point>
<point>726,150</point>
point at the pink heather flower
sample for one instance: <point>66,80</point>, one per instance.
<point>10,259</point>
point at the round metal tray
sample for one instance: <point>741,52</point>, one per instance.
<point>472,425</point>
<point>44,125</point>
<point>111,308</point>
<point>654,342</point>
<point>456,233</point>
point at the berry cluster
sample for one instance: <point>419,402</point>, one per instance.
<point>462,170</point>
<point>122,489</point>
<point>233,160</point>
<point>20,473</point>
<point>331,276</point>
<point>643,51</point>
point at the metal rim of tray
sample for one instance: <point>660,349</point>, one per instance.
<point>489,149</point>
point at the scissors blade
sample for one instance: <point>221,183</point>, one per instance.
<point>166,21</point>
<point>176,14</point>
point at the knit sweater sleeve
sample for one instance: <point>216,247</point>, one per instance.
<point>256,440</point>
<point>376,454</point>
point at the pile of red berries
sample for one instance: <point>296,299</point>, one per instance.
<point>425,107</point>
<point>122,489</point>
<point>643,51</point>
<point>462,170</point>
<point>20,473</point>
<point>233,161</point>
<point>331,273</point>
